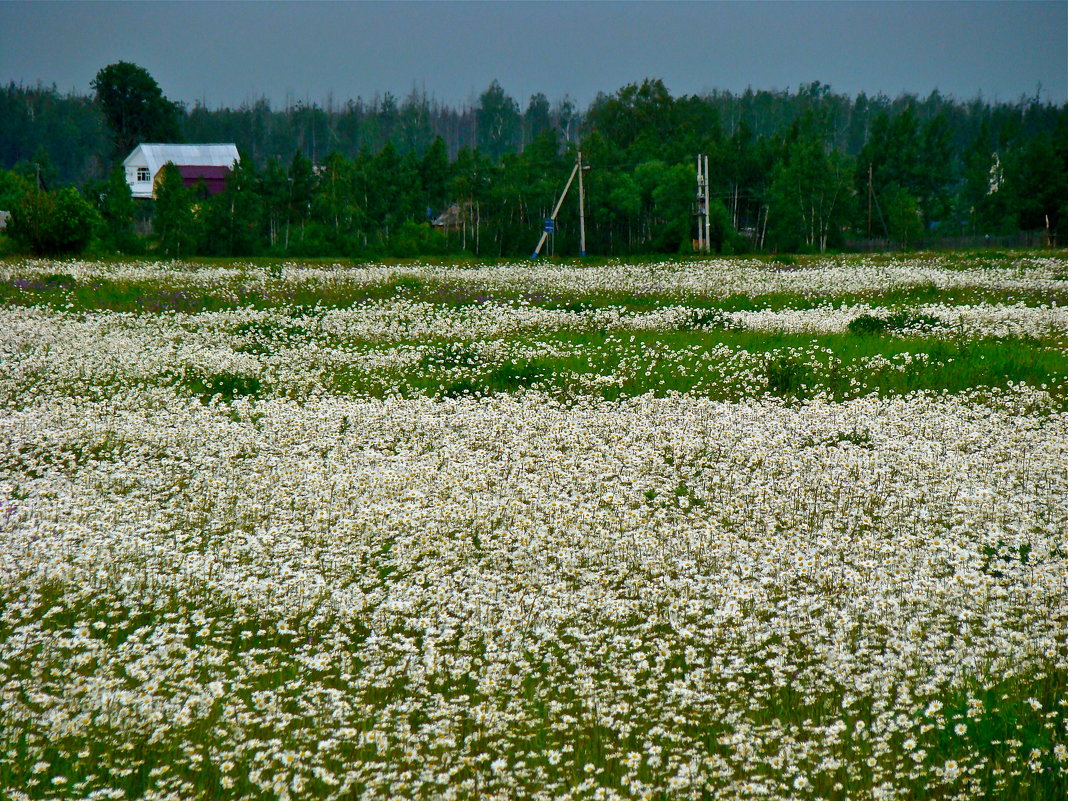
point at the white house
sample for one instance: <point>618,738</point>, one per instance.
<point>197,163</point>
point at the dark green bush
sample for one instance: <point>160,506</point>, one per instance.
<point>53,223</point>
<point>867,324</point>
<point>896,321</point>
<point>416,239</point>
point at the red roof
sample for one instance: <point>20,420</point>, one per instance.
<point>214,178</point>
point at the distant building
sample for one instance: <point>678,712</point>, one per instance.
<point>453,218</point>
<point>208,163</point>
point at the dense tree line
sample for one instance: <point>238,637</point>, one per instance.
<point>808,170</point>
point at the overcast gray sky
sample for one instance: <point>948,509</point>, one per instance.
<point>225,53</point>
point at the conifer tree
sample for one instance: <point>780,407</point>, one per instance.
<point>117,210</point>
<point>174,222</point>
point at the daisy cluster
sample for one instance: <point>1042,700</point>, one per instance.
<point>970,320</point>
<point>299,593</point>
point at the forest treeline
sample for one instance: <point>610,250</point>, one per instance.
<point>800,171</point>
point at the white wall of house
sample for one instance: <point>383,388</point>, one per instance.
<point>138,173</point>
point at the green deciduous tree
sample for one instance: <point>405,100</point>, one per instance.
<point>134,107</point>
<point>667,196</point>
<point>53,223</point>
<point>499,123</point>
<point>410,239</point>
<point>537,119</point>
<point>435,170</point>
<point>335,211</point>
<point>70,126</point>
<point>906,153</point>
<point>301,188</point>
<point>388,118</point>
<point>273,188</point>
<point>613,211</point>
<point>13,187</point>
<point>1036,180</point>
<point>983,205</point>
<point>810,197</point>
<point>39,171</point>
<point>232,218</point>
<point>414,131</point>
<point>902,213</point>
<point>639,120</point>
<point>469,186</point>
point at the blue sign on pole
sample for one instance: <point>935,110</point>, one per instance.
<point>550,225</point>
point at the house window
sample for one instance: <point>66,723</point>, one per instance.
<point>143,175</point>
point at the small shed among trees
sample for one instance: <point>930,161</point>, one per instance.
<point>208,163</point>
<point>453,218</point>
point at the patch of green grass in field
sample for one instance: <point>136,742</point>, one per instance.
<point>727,365</point>
<point>997,712</point>
<point>225,386</point>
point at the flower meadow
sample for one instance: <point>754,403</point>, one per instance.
<point>673,530</point>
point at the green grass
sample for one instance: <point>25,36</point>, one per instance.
<point>727,365</point>
<point>225,386</point>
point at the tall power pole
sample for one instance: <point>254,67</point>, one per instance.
<point>704,228</point>
<point>700,207</point>
<point>550,222</point>
<point>582,209</point>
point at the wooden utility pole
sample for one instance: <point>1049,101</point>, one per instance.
<point>582,210</point>
<point>704,227</point>
<point>550,221</point>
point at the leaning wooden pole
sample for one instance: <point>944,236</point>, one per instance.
<point>556,210</point>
